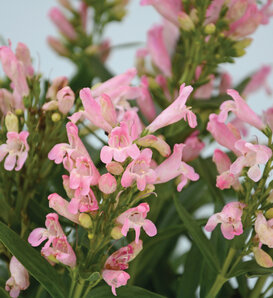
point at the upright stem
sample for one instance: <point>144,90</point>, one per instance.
<point>221,278</point>
<point>258,287</point>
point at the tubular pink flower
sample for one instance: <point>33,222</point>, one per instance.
<point>251,156</point>
<point>264,230</point>
<point>57,245</point>
<point>53,230</point>
<point>169,9</point>
<point>66,98</point>
<point>241,109</point>
<point>205,91</point>
<point>269,117</point>
<point>57,84</point>
<point>162,82</point>
<point>19,279</point>
<point>158,50</point>
<point>23,54</point>
<point>61,206</point>
<point>115,278</point>
<point>100,112</point>
<point>213,11</point>
<point>57,46</point>
<point>107,183</point>
<point>173,167</point>
<point>61,22</point>
<point>258,80</point>
<point>17,149</point>
<point>230,219</point>
<point>134,124</point>
<point>8,102</point>
<point>139,170</point>
<point>175,112</point>
<point>225,83</point>
<point>193,147</point>
<point>225,135</point>
<point>135,218</point>
<point>120,145</point>
<point>155,142</point>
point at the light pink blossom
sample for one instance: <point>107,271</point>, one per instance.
<point>173,167</point>
<point>139,170</point>
<point>158,51</point>
<point>23,54</point>
<point>135,218</point>
<point>19,279</point>
<point>56,85</point>
<point>175,112</point>
<point>264,230</point>
<point>17,149</point>
<point>205,91</point>
<point>107,183</point>
<point>65,99</point>
<point>230,219</point>
<point>225,83</point>
<point>61,22</point>
<point>251,156</point>
<point>120,145</point>
<point>115,278</point>
<point>193,147</point>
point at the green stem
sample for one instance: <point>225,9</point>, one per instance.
<point>78,289</point>
<point>221,279</point>
<point>255,293</point>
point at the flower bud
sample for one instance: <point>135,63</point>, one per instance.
<point>146,192</point>
<point>57,46</point>
<point>116,233</point>
<point>185,22</point>
<point>114,168</point>
<point>66,98</point>
<point>194,15</point>
<point>19,112</point>
<point>269,213</point>
<point>262,258</point>
<point>11,122</point>
<point>241,45</point>
<point>90,236</point>
<point>85,221</point>
<point>107,183</point>
<point>210,28</point>
<point>55,117</point>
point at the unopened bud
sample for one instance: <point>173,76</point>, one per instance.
<point>90,236</point>
<point>114,168</point>
<point>210,28</point>
<point>269,213</point>
<point>11,122</point>
<point>241,45</point>
<point>194,15</point>
<point>146,192</point>
<point>85,221</point>
<point>57,46</point>
<point>116,233</point>
<point>92,50</point>
<point>19,112</point>
<point>185,22</point>
<point>55,117</point>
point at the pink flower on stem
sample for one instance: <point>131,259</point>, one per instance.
<point>226,179</point>
<point>193,147</point>
<point>175,112</point>
<point>23,54</point>
<point>173,167</point>
<point>230,219</point>
<point>115,278</point>
<point>225,83</point>
<point>135,218</point>
<point>66,98</point>
<point>264,230</point>
<point>19,279</point>
<point>107,183</point>
<point>57,247</point>
<point>241,109</point>
<point>158,50</point>
<point>120,145</point>
<point>61,22</point>
<point>251,156</point>
<point>56,85</point>
<point>225,135</point>
<point>99,112</point>
<point>17,149</point>
<point>139,170</point>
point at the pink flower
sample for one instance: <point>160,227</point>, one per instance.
<point>57,46</point>
<point>135,218</point>
<point>23,54</point>
<point>113,273</point>
<point>213,11</point>
<point>158,50</point>
<point>226,179</point>
<point>120,145</point>
<point>175,112</point>
<point>193,147</point>
<point>225,135</point>
<point>61,206</point>
<point>225,83</point>
<point>66,99</point>
<point>8,102</point>
<point>57,247</point>
<point>139,170</point>
<point>107,183</point>
<point>269,117</point>
<point>169,9</point>
<point>19,279</point>
<point>17,149</point>
<point>241,109</point>
<point>173,167</point>
<point>230,219</point>
<point>258,80</point>
<point>100,112</point>
<point>264,230</point>
<point>57,84</point>
<point>61,22</point>
<point>251,156</point>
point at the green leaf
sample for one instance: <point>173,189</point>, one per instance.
<point>36,265</point>
<point>251,268</point>
<point>201,241</point>
<point>122,292</point>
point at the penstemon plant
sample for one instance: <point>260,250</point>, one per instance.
<point>95,176</point>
